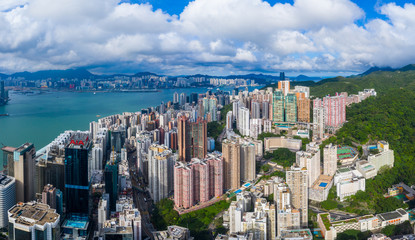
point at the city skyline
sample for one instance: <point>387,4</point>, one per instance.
<point>319,37</point>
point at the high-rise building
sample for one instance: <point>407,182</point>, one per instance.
<point>53,197</point>
<point>231,164</point>
<point>310,159</point>
<point>111,180</point>
<point>7,197</point>
<point>77,186</point>
<point>282,76</point>
<point>23,170</point>
<point>278,106</point>
<point>182,100</point>
<point>247,165</point>
<point>265,110</point>
<point>4,96</point>
<point>284,86</point>
<point>290,107</point>
<point>160,171</point>
<point>176,97</point>
<point>297,181</point>
<point>302,89</point>
<point>183,185</point>
<point>303,107</point>
<point>334,110</point>
<point>229,120</point>
<point>330,160</point>
<point>32,221</point>
<point>255,109</point>
<point>243,121</point>
<point>215,163</point>
<point>192,138</point>
<point>287,216</point>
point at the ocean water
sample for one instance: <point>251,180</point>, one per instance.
<point>40,118</point>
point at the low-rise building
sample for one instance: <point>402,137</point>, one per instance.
<point>273,143</point>
<point>296,234</point>
<point>319,191</point>
<point>366,169</point>
<point>173,233</point>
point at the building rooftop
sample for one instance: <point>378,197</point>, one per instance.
<point>392,215</point>
<point>5,180</point>
<point>33,213</point>
<point>8,149</point>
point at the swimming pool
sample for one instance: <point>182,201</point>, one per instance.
<point>322,184</point>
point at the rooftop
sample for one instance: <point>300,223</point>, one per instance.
<point>5,180</point>
<point>33,213</point>
<point>392,215</point>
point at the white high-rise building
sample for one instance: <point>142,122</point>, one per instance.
<point>318,122</point>
<point>243,121</point>
<point>330,160</point>
<point>160,171</point>
<point>97,158</point>
<point>310,159</point>
<point>7,197</point>
<point>255,127</point>
<point>175,97</point>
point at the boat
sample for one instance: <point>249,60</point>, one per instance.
<point>98,116</point>
<point>4,115</point>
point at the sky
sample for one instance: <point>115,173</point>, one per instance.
<point>217,37</point>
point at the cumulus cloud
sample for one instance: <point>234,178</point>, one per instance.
<point>209,36</point>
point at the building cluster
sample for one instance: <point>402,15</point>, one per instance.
<point>4,94</point>
<point>330,229</point>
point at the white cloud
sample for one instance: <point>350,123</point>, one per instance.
<point>208,36</point>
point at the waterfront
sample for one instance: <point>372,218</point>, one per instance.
<point>39,118</point>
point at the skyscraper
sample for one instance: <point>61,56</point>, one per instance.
<point>160,171</point>
<point>318,121</point>
<point>278,106</point>
<point>7,197</point>
<point>53,197</point>
<point>192,138</point>
<point>231,164</point>
<point>303,107</point>
<point>330,159</point>
<point>310,159</point>
<point>183,185</point>
<point>111,180</point>
<point>77,185</point>
<point>175,97</point>
<point>247,165</point>
<point>243,121</point>
<point>297,181</point>
<point>284,86</point>
<point>23,170</point>
<point>182,99</point>
<point>290,107</point>
<point>255,109</point>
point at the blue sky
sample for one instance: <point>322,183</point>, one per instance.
<point>219,37</point>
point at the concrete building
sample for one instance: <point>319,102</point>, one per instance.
<point>330,160</point>
<point>302,89</point>
<point>33,221</point>
<point>243,121</point>
<point>231,154</point>
<point>173,233</point>
<point>273,143</point>
<point>303,107</point>
<point>229,120</point>
<point>247,165</point>
<point>318,122</point>
<point>255,109</point>
<point>334,110</point>
<point>366,169</point>
<point>284,86</point>
<point>385,157</point>
<point>288,217</point>
<point>160,171</point>
<point>255,127</point>
<point>319,191</point>
<point>278,106</point>
<point>348,182</point>
<point>290,108</point>
<point>7,197</point>
<point>310,159</point>
<point>192,138</point>
<point>23,170</point>
<point>297,181</point>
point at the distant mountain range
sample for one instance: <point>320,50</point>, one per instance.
<point>82,73</point>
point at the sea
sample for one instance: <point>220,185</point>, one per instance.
<point>38,118</point>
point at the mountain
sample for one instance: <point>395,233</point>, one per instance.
<point>3,76</point>
<point>141,74</point>
<point>79,73</point>
<point>376,69</point>
<point>381,81</point>
<point>305,78</point>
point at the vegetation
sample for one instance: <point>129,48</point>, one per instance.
<point>304,142</point>
<point>389,117</point>
<point>225,111</point>
<point>198,221</point>
<point>270,198</point>
<point>265,167</point>
<point>329,204</point>
<point>401,229</point>
<point>282,156</point>
<point>353,234</point>
<point>266,135</point>
<point>276,173</point>
<point>214,129</point>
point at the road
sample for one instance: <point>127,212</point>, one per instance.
<point>139,194</point>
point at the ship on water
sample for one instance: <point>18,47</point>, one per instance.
<point>4,95</point>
